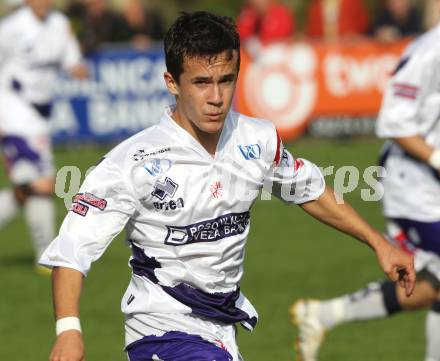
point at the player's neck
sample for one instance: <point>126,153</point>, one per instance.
<point>208,141</point>
<point>40,16</point>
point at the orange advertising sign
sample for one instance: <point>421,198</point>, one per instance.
<point>293,83</point>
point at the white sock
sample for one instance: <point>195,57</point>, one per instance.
<point>432,329</point>
<point>40,216</point>
<point>364,304</point>
<point>10,206</point>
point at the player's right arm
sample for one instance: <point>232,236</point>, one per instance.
<point>67,285</point>
<point>99,212</point>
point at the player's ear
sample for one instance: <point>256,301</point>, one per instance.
<point>171,84</point>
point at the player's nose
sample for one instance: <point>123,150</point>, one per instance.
<point>215,96</point>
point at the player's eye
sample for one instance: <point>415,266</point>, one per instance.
<point>201,82</point>
<point>228,80</point>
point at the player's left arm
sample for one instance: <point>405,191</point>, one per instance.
<point>410,104</point>
<point>298,181</point>
<point>417,147</point>
<point>398,265</point>
<point>72,60</point>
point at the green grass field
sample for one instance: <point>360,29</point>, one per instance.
<point>289,255</point>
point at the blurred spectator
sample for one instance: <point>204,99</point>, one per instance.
<point>398,18</point>
<point>432,13</point>
<point>36,42</point>
<point>8,6</point>
<point>264,21</point>
<point>95,23</point>
<point>334,19</point>
<point>13,3</point>
<point>143,25</point>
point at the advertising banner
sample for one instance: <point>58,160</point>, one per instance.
<point>124,94</point>
<point>292,84</point>
<point>330,89</point>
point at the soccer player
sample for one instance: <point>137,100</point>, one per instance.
<point>183,189</point>
<point>35,42</point>
<point>410,119</point>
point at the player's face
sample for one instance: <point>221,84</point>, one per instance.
<point>40,7</point>
<point>204,92</point>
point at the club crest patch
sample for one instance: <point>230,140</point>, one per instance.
<point>250,151</point>
<point>216,189</point>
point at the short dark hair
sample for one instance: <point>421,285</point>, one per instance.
<point>199,34</point>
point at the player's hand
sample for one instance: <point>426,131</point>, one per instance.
<point>398,265</point>
<point>69,346</point>
<point>79,72</point>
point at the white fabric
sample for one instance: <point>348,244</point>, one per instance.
<point>423,260</point>
<point>364,304</point>
<point>32,51</point>
<point>432,331</point>
<point>39,212</point>
<point>19,117</point>
<point>25,171</point>
<point>411,106</point>
<point>67,324</point>
<point>10,206</point>
<point>181,231</point>
<point>434,159</point>
<point>157,324</point>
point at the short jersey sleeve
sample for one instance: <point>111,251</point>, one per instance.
<point>408,94</point>
<point>293,180</point>
<point>98,214</point>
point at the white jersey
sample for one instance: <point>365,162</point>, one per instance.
<point>411,106</point>
<point>32,52</point>
<point>186,215</point>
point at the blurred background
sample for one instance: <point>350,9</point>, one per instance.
<point>317,68</point>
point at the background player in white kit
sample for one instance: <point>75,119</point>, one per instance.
<point>35,43</point>
<point>410,119</point>
<point>182,189</point>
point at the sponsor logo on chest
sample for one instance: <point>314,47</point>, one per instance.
<point>208,231</point>
<point>171,205</point>
<point>166,188</point>
<point>156,167</point>
<point>141,154</point>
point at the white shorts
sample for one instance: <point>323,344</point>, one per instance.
<point>427,265</point>
<point>422,240</point>
<point>137,326</point>
<point>19,117</point>
<point>27,158</point>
